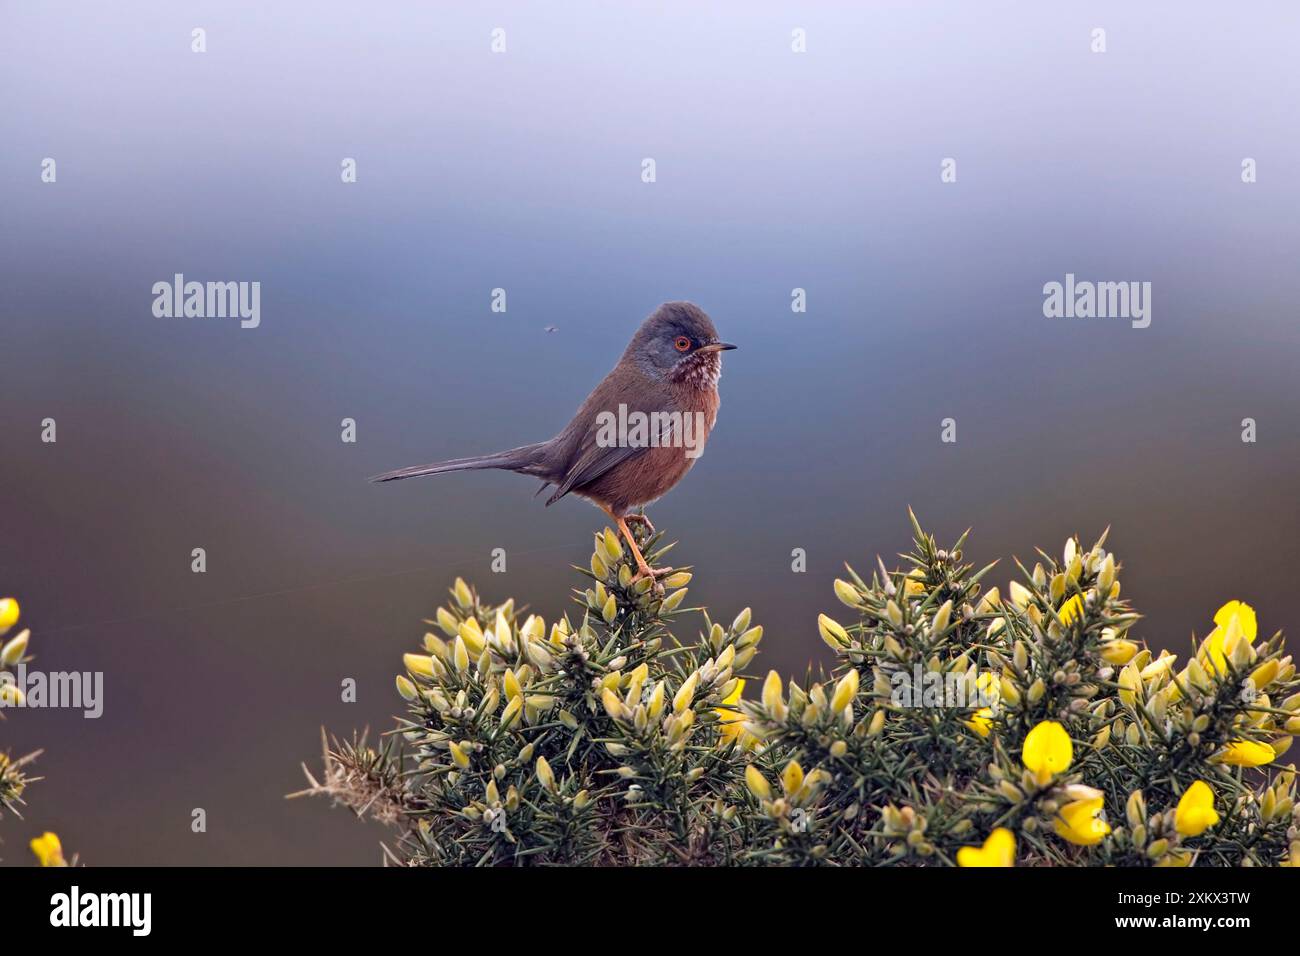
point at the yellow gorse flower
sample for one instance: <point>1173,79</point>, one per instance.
<point>981,721</point>
<point>1070,610</point>
<point>1047,750</point>
<point>1081,823</point>
<point>48,849</point>
<point>1233,622</point>
<point>1246,753</point>
<point>1195,813</point>
<point>731,724</point>
<point>998,850</point>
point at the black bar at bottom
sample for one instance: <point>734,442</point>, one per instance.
<point>383,906</point>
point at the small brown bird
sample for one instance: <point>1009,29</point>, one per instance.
<point>638,432</point>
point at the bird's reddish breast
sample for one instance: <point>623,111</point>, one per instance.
<point>651,474</point>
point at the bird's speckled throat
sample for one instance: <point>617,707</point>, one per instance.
<point>700,370</point>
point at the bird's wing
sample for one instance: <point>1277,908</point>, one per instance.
<point>591,458</point>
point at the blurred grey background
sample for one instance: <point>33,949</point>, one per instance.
<point>522,171</point>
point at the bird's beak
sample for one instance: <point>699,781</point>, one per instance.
<point>717,347</point>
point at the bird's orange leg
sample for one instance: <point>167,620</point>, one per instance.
<point>643,569</point>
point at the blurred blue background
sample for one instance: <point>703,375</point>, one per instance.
<point>522,171</point>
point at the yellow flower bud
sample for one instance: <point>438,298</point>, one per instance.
<point>420,665</point>
<point>939,623</point>
<point>1158,666</point>
<point>832,633</point>
<point>447,621</point>
<point>1135,810</point>
<point>458,755</point>
<point>1158,849</point>
<point>1118,652</point>
<point>1261,677</point>
<point>1036,690</point>
<point>545,776</point>
<point>673,601</point>
<point>9,612</point>
<point>14,650</point>
<point>406,688</point>
<point>613,547</point>
<point>845,691</point>
<point>1020,595</point>
<point>655,706</point>
<point>757,783</point>
<point>472,635</point>
<point>1130,679</point>
<point>511,710</point>
<point>686,693</point>
<point>894,613</point>
<point>772,694</point>
<point>847,593</point>
<point>791,778</point>
<point>992,599</point>
<point>1106,576</point>
<point>1008,691</point>
<point>613,706</point>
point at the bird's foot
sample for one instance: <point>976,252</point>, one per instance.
<point>642,520</point>
<point>654,574</point>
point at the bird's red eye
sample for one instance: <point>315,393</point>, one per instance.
<point>682,344</point>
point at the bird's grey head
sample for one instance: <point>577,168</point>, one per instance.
<point>678,342</point>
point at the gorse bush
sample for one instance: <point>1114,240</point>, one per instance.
<point>957,726</point>
<point>14,778</point>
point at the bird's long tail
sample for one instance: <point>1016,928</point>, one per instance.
<point>524,460</point>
